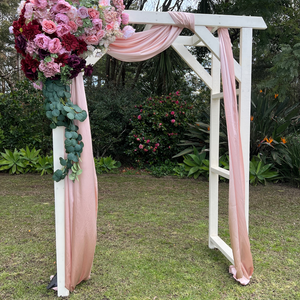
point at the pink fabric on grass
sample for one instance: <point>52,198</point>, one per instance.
<point>81,203</point>
<point>146,44</point>
<point>240,244</point>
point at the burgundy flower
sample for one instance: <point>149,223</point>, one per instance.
<point>20,44</point>
<point>70,42</point>
<point>31,30</point>
<point>82,47</point>
<point>63,59</point>
<point>30,67</point>
<point>77,64</point>
<point>88,70</point>
<point>43,54</point>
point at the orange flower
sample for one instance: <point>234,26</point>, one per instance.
<point>270,140</point>
<point>260,91</point>
<point>283,140</point>
<point>208,128</point>
<point>276,95</point>
<point>266,139</point>
<point>251,119</point>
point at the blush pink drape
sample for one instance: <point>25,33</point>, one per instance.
<point>81,203</point>
<point>243,264</point>
<point>81,197</point>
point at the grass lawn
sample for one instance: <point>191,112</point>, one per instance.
<point>152,241</point>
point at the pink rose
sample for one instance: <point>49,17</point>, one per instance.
<point>42,41</point>
<point>128,31</point>
<point>97,24</point>
<point>141,110</point>
<point>138,139</point>
<point>139,117</point>
<point>157,144</point>
<point>125,18</point>
<point>62,29</point>
<point>93,13</point>
<point>62,6</point>
<point>82,12</point>
<point>79,22</point>
<point>100,34</point>
<point>41,14</point>
<point>177,93</point>
<point>104,2</point>
<point>154,149</point>
<point>61,18</point>
<point>145,150</point>
<point>73,26</point>
<point>40,3</point>
<point>173,121</point>
<point>141,146</point>
<point>48,26</point>
<point>110,16</point>
<point>167,115</point>
<point>177,102</point>
<point>172,113</point>
<point>148,141</point>
<point>91,40</point>
<point>110,26</point>
<point>54,46</point>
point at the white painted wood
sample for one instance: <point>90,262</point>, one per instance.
<point>59,193</point>
<point>223,247</point>
<point>214,152</point>
<point>219,96</point>
<point>193,63</point>
<point>153,17</point>
<point>221,171</point>
<point>245,106</point>
<point>189,41</point>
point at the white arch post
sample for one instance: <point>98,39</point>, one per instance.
<point>203,37</point>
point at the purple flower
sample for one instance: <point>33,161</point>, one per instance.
<point>21,42</point>
<point>88,70</point>
<point>43,54</point>
<point>82,12</point>
<point>77,64</point>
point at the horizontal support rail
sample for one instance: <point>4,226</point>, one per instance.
<point>154,17</point>
<point>221,96</point>
<point>223,247</point>
<point>221,171</point>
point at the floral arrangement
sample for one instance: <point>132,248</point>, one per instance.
<point>54,37</point>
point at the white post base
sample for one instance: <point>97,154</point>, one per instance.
<point>59,193</point>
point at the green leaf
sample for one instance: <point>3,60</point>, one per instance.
<point>70,115</point>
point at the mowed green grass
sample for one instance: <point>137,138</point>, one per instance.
<point>152,241</point>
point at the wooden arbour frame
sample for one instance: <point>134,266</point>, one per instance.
<point>205,25</point>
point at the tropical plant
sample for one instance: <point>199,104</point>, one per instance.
<point>31,156</point>
<point>196,164</point>
<point>260,172</point>
<point>157,127</point>
<point>106,164</point>
<point>44,165</point>
<point>14,162</point>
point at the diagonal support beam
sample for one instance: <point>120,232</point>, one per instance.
<point>193,63</point>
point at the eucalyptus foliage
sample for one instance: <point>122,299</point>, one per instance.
<point>62,112</point>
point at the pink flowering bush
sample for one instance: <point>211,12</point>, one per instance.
<point>157,127</point>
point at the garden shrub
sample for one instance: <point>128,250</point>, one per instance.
<point>23,120</point>
<point>157,127</point>
<point>110,110</point>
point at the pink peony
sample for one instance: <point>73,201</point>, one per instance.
<point>141,146</point>
<point>125,18</point>
<point>93,13</point>
<point>54,46</point>
<point>49,69</point>
<point>62,29</point>
<point>40,3</point>
<point>61,18</point>
<point>128,31</point>
<point>62,6</point>
<point>82,12</point>
<point>72,13</point>
<point>173,121</point>
<point>139,117</point>
<point>48,26</point>
<point>42,41</point>
<point>97,24</point>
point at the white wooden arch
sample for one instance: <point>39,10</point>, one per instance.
<point>203,37</point>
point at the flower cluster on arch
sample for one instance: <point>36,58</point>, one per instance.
<point>55,36</point>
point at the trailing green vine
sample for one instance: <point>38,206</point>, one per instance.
<point>62,112</point>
